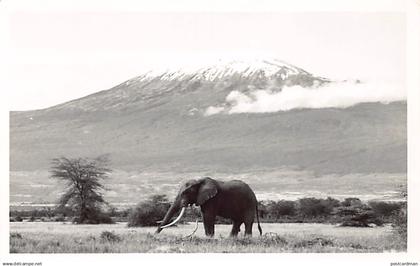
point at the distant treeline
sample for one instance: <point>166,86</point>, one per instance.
<point>348,212</point>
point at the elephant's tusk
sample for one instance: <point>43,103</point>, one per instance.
<point>196,227</point>
<point>176,220</point>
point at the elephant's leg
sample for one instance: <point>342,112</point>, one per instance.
<point>248,228</point>
<point>235,228</point>
<point>209,219</point>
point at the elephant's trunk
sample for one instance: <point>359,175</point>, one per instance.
<point>168,216</point>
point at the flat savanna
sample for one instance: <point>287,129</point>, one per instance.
<point>59,237</point>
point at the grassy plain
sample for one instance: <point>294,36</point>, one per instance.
<point>57,237</point>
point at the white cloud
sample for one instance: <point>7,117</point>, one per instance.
<point>212,110</point>
<point>336,94</point>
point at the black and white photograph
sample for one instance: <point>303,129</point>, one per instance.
<point>204,131</point>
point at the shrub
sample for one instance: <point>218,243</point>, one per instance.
<point>18,219</point>
<point>93,216</point>
<point>399,222</point>
<point>110,237</point>
<point>362,219</point>
<point>64,211</point>
<point>281,208</point>
<point>148,212</point>
<point>262,210</point>
<point>313,207</point>
<point>383,208</point>
<point>37,213</point>
<point>351,202</point>
<point>331,203</point>
<point>59,218</point>
<point>15,235</point>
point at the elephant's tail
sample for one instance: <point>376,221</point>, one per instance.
<point>258,220</point>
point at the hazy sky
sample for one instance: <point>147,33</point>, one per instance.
<point>56,57</point>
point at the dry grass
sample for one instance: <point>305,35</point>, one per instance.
<point>68,238</point>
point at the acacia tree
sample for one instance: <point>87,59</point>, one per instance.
<point>83,177</point>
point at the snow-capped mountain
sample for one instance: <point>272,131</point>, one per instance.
<point>218,79</point>
<point>207,120</point>
<point>257,68</point>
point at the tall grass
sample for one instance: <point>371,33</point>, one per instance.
<point>279,238</point>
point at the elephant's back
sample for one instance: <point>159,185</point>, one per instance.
<point>241,190</point>
<point>237,201</point>
<point>240,183</point>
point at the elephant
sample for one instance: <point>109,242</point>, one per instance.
<point>234,200</point>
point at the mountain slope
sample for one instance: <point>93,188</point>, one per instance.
<point>156,122</point>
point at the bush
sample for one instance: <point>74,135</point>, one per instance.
<point>93,216</point>
<point>64,211</point>
<point>313,207</point>
<point>263,210</point>
<point>18,219</point>
<point>331,203</point>
<point>399,222</point>
<point>281,208</point>
<point>147,213</point>
<point>382,208</point>
<point>351,202</point>
<point>15,235</point>
<point>59,218</point>
<point>362,219</point>
<point>110,237</point>
<point>38,213</point>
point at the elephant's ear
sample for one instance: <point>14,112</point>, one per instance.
<point>207,190</point>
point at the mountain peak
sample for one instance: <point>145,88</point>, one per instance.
<point>261,67</point>
<point>219,78</point>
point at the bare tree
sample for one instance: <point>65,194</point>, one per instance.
<point>84,188</point>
